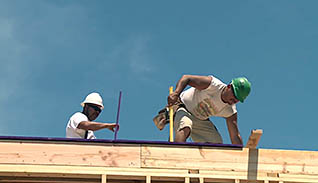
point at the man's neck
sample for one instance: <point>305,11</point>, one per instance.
<point>222,95</point>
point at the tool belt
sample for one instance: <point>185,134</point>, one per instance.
<point>163,118</point>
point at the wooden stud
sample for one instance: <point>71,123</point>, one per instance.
<point>237,180</point>
<point>201,180</point>
<point>186,180</point>
<point>104,178</point>
<point>148,179</point>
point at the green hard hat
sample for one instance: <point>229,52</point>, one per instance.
<point>241,87</point>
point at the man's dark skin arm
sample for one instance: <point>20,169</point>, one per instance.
<point>91,125</point>
<point>198,82</point>
<point>234,132</point>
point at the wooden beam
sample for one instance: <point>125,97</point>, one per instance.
<point>155,163</point>
<point>109,155</point>
<point>46,180</point>
<point>254,138</point>
<point>239,160</point>
<point>135,174</point>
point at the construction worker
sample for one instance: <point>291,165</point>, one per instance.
<point>207,97</point>
<point>81,124</point>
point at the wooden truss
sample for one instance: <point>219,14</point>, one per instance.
<point>57,161</point>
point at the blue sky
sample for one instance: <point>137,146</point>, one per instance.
<point>54,53</point>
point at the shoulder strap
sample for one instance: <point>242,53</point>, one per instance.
<point>86,134</point>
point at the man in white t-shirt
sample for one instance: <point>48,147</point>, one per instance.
<point>81,124</point>
<point>207,97</point>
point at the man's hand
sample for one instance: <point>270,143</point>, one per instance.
<point>172,98</point>
<point>112,126</point>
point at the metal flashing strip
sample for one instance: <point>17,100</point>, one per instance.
<point>119,141</point>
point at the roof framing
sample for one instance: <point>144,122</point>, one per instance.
<point>61,160</point>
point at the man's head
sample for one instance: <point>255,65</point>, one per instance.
<point>236,91</point>
<point>241,88</point>
<point>92,106</point>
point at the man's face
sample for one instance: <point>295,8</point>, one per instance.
<point>93,111</point>
<point>230,97</point>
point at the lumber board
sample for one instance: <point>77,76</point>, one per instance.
<point>48,171</point>
<point>254,138</point>
<point>262,160</point>
<point>110,155</point>
<point>46,180</point>
<point>99,162</point>
<point>138,175</point>
<point>83,171</point>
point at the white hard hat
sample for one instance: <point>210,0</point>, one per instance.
<point>93,98</point>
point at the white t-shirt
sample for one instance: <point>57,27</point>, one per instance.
<point>73,132</point>
<point>206,103</point>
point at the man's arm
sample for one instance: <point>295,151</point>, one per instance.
<point>198,82</point>
<point>232,127</point>
<point>91,125</point>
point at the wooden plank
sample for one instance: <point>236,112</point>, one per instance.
<point>48,175</point>
<point>298,178</point>
<point>254,138</point>
<point>209,180</point>
<point>41,171</point>
<point>228,174</point>
<point>180,157</point>
<point>83,171</point>
<point>76,154</point>
<point>46,180</point>
<point>160,162</point>
<point>278,161</point>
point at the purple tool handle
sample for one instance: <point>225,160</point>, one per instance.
<point>117,119</point>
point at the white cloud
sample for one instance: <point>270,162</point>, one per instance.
<point>12,69</point>
<point>132,54</point>
<point>138,57</point>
